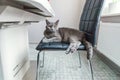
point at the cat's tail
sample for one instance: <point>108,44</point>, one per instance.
<point>89,48</point>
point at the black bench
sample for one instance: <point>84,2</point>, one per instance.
<point>89,23</point>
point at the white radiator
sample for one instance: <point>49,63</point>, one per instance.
<point>109,41</point>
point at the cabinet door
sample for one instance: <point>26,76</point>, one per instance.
<point>14,51</point>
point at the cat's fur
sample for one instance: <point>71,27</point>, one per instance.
<point>72,36</point>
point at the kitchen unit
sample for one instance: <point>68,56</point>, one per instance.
<point>15,18</point>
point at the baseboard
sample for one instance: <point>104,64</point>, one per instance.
<point>107,61</point>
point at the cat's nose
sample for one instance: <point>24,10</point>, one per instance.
<point>51,30</point>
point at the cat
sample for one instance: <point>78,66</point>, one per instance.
<point>75,37</point>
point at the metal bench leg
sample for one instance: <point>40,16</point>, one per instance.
<point>91,69</point>
<point>79,59</point>
<point>38,64</point>
<point>43,57</point>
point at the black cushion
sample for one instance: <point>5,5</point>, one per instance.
<point>56,45</point>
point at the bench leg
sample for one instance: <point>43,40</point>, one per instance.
<point>38,64</point>
<point>79,59</point>
<point>43,58</point>
<point>91,69</point>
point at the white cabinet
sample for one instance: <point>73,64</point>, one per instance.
<point>15,18</point>
<point>14,51</point>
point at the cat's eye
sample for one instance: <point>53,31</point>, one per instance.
<point>50,26</point>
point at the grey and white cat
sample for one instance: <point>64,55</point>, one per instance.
<point>72,36</point>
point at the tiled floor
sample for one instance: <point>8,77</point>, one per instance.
<point>59,66</point>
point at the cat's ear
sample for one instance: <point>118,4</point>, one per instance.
<point>57,22</point>
<point>47,22</point>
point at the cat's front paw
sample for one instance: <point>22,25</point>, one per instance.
<point>45,40</point>
<point>73,50</point>
<point>67,52</point>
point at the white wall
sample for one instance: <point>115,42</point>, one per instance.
<point>67,11</point>
<point>109,41</point>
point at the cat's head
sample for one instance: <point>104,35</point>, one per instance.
<point>51,26</point>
